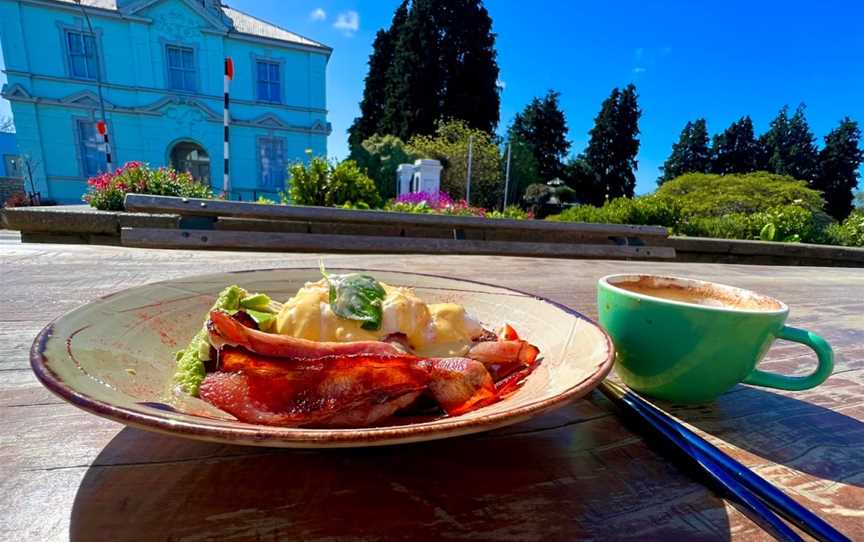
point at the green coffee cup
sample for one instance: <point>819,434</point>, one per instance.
<point>688,341</point>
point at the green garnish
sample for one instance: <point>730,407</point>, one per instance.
<point>356,297</point>
<point>265,320</point>
<point>190,370</point>
<point>255,301</point>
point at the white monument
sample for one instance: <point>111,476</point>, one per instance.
<point>422,176</point>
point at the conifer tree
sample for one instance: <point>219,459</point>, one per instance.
<point>690,154</point>
<point>839,161</point>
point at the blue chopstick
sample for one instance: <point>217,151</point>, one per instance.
<point>734,477</point>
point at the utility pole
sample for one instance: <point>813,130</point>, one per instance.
<point>470,159</point>
<point>102,124</point>
<point>507,177</point>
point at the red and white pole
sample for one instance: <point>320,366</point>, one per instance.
<point>102,128</point>
<point>229,75</point>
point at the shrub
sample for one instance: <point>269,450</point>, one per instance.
<point>850,232</point>
<point>648,210</point>
<point>308,183</point>
<point>348,185</point>
<point>513,212</point>
<point>703,195</point>
<point>788,223</point>
<point>331,185</point>
<point>107,191</point>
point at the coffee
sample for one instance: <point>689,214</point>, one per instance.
<point>707,295</point>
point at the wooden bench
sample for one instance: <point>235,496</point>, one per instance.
<point>218,224</point>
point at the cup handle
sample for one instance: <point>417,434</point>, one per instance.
<point>797,383</point>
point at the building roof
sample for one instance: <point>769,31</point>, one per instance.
<point>247,24</point>
<point>241,22</point>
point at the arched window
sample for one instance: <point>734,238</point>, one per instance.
<point>191,157</point>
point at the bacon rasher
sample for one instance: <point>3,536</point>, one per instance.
<point>279,380</point>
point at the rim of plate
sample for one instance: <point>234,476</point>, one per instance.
<point>206,429</point>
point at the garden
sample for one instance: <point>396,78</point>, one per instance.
<point>754,206</point>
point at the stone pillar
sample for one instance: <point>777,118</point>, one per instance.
<point>429,172</point>
<point>404,174</point>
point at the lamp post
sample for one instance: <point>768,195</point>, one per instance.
<point>507,176</point>
<point>101,125</point>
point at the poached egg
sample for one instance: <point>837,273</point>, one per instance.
<point>432,330</point>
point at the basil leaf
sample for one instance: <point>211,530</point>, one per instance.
<point>357,297</point>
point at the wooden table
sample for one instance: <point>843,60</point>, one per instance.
<point>576,473</point>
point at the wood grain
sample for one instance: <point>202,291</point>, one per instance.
<point>575,473</point>
<point>238,209</point>
<point>316,242</point>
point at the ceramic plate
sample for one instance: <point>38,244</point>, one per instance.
<point>114,357</point>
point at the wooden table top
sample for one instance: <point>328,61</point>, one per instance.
<point>575,473</point>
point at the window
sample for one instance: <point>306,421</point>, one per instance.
<point>269,82</point>
<point>13,165</point>
<point>81,48</point>
<point>193,159</point>
<point>271,156</point>
<point>181,68</point>
<point>91,147</point>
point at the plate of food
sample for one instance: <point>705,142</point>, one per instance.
<point>321,358</point>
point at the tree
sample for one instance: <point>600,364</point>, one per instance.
<point>690,154</point>
<point>7,125</point>
<point>736,149</point>
<point>379,156</point>
<point>788,147</point>
<point>542,127</point>
<point>838,168</point>
<point>449,145</point>
<point>584,181</point>
<point>443,66</point>
<point>372,105</point>
<point>613,145</point>
<point>469,65</point>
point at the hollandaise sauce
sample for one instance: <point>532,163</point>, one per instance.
<point>432,330</point>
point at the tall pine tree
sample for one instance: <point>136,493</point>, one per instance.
<point>690,154</point>
<point>736,149</point>
<point>469,61</point>
<point>543,128</point>
<point>788,147</point>
<point>372,105</point>
<point>839,161</point>
<point>438,61</point>
<point>613,145</point>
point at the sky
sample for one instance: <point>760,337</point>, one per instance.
<point>717,60</point>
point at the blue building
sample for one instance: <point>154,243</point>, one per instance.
<point>160,63</point>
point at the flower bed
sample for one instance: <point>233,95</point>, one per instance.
<point>106,191</point>
<point>442,204</point>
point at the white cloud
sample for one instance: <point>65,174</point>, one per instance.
<point>348,22</point>
<point>502,84</point>
<point>318,15</point>
<point>638,53</point>
<point>639,69</point>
